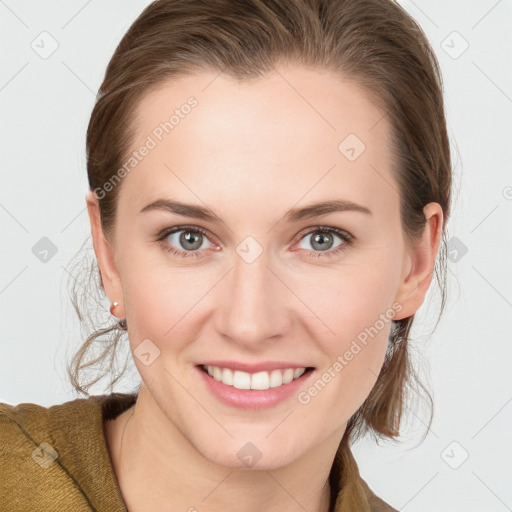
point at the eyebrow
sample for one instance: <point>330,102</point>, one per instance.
<point>292,215</point>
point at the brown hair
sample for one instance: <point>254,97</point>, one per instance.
<point>375,43</point>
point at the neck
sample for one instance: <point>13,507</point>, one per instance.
<point>158,468</point>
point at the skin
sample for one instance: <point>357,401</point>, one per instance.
<point>249,152</point>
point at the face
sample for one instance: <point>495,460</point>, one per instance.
<point>262,278</point>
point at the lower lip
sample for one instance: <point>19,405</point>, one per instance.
<point>253,398</point>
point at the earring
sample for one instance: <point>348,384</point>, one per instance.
<point>113,306</point>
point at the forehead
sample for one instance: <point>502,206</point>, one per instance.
<point>303,132</point>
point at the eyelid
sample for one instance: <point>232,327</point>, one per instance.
<point>342,233</point>
<point>164,233</point>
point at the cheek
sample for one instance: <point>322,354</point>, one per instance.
<point>351,325</point>
<point>360,320</point>
<point>347,303</point>
<point>161,302</point>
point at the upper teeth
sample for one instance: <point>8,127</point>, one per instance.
<point>260,380</point>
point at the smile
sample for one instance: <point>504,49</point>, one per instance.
<point>257,381</point>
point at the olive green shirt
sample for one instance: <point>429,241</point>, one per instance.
<point>57,459</point>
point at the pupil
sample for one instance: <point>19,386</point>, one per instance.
<point>324,240</point>
<point>188,238</point>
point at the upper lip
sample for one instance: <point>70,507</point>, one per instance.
<point>254,368</point>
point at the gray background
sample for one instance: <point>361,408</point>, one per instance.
<point>464,464</point>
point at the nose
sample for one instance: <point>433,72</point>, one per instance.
<point>255,305</point>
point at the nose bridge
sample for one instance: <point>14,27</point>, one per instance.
<point>255,307</point>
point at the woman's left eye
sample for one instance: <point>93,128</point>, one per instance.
<point>194,239</point>
<point>323,237</point>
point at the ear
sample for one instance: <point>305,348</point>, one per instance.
<point>419,263</point>
<point>105,255</point>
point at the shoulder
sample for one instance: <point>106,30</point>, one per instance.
<point>33,477</point>
<point>55,458</point>
<point>21,426</point>
<point>376,503</point>
<point>13,418</point>
<point>27,458</point>
<point>351,490</point>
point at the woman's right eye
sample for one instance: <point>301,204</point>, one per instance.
<point>184,241</point>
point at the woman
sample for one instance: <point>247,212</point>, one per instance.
<point>269,189</point>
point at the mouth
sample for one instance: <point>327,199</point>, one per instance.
<point>258,381</point>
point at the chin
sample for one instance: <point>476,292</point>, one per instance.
<point>249,455</point>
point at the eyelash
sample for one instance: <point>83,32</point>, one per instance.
<point>347,238</point>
